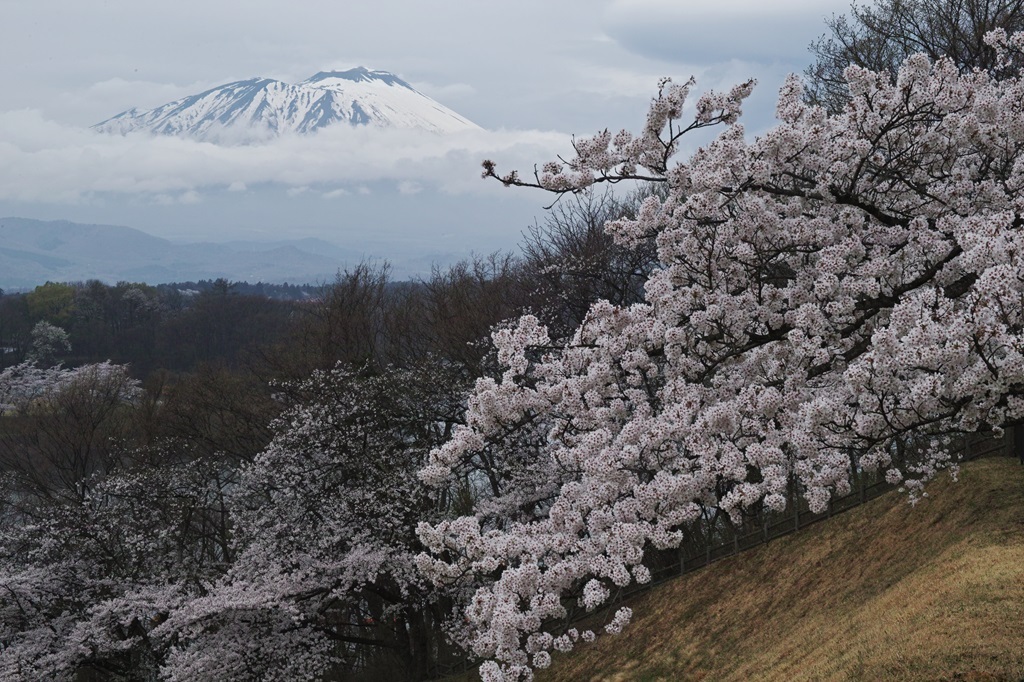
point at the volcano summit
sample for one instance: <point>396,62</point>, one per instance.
<point>264,107</point>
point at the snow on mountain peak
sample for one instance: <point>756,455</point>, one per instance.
<point>263,107</point>
<point>360,74</point>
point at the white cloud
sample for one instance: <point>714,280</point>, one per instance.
<point>409,187</point>
<point>672,9</point>
<point>122,93</point>
<point>170,199</point>
<point>711,32</point>
<point>43,161</point>
<point>441,93</point>
<point>614,81</point>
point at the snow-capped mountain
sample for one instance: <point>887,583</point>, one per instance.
<point>266,107</point>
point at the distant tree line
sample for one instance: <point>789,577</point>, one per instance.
<point>170,326</point>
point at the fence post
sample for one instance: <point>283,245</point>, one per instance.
<point>709,535</point>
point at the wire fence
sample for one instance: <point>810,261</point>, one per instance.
<point>715,536</point>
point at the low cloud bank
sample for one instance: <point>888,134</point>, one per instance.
<point>44,161</point>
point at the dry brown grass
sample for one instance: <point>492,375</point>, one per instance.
<point>882,592</point>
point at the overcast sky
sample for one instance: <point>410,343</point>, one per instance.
<point>531,73</point>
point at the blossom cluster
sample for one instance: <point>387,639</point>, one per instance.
<point>838,295</point>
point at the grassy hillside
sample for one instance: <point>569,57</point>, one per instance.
<point>883,592</point>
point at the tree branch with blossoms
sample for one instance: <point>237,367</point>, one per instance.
<point>840,295</point>
<point>610,159</point>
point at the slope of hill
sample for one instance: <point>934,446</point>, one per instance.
<point>267,107</point>
<point>882,592</point>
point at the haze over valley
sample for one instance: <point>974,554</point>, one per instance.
<point>33,252</point>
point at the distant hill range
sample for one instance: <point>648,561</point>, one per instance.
<point>34,251</point>
<point>264,107</point>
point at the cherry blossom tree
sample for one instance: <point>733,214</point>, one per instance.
<point>66,424</point>
<point>842,294</point>
<point>325,530</point>
<point>84,585</point>
<point>97,542</point>
<point>48,341</point>
<point>880,35</point>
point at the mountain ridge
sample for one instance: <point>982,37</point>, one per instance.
<point>265,107</point>
<point>35,251</point>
